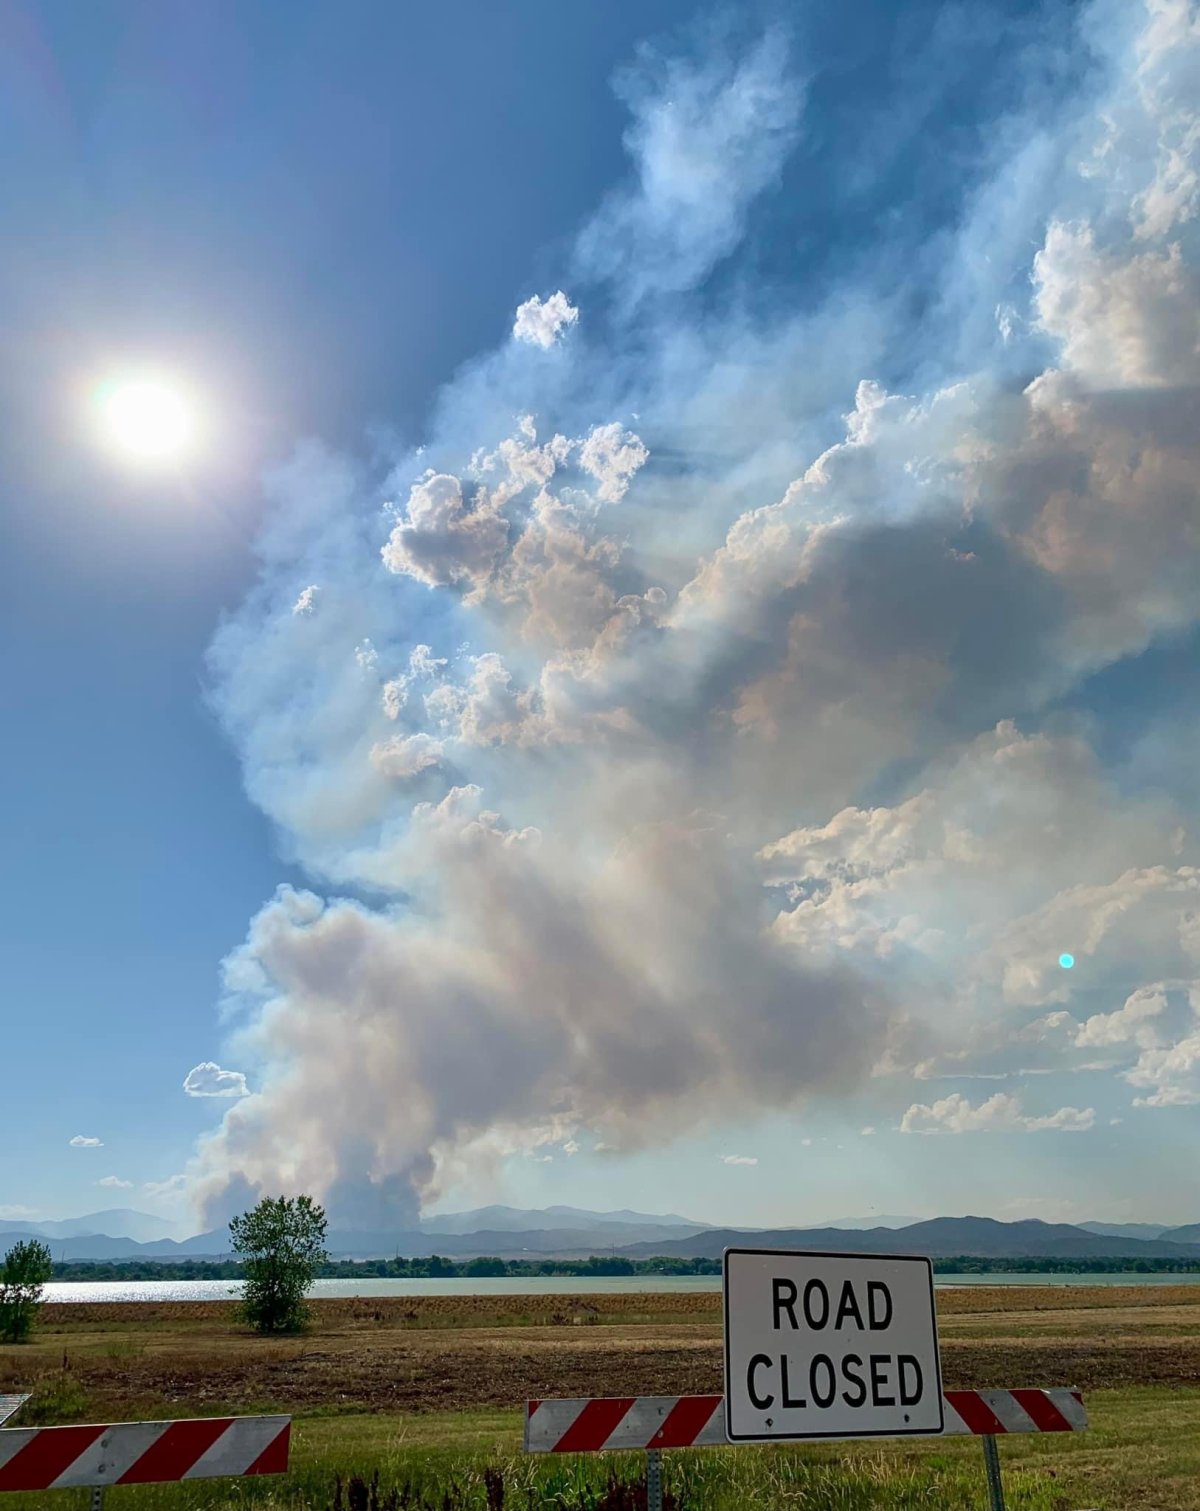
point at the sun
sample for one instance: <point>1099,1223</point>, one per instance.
<point>147,418</point>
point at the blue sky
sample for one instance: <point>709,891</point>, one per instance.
<point>795,776</point>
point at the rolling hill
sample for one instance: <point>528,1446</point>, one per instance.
<point>940,1237</point>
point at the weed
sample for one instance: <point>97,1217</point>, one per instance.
<point>60,1398</point>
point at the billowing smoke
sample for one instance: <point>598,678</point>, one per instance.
<point>658,756</point>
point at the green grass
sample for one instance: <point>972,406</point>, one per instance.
<point>1143,1451</point>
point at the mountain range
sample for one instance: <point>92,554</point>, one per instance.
<point>573,1232</point>
<point>940,1237</point>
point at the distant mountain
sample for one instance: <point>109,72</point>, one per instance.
<point>940,1237</point>
<point>115,1222</point>
<point>858,1223</point>
<point>503,1243</point>
<point>640,1235</point>
<point>1126,1229</point>
<point>1189,1233</point>
<point>578,1219</point>
<point>375,1245</point>
<point>102,1246</point>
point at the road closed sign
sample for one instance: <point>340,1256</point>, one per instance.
<point>829,1346</point>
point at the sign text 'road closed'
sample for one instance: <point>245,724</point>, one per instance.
<point>829,1346</point>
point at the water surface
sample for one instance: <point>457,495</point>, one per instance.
<point>532,1285</point>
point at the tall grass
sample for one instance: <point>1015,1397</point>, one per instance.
<point>720,1480</point>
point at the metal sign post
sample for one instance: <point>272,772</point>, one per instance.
<point>654,1484</point>
<point>991,1462</point>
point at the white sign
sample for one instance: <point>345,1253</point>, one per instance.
<point>829,1346</point>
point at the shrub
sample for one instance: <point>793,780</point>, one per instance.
<point>27,1266</point>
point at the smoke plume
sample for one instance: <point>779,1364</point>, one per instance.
<point>671,751</point>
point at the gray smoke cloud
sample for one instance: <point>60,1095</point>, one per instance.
<point>665,755</point>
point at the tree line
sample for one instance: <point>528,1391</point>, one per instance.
<point>438,1267</point>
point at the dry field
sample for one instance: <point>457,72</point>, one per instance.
<point>425,1354</point>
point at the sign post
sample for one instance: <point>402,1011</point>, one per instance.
<point>824,1345</point>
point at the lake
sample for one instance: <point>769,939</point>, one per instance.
<point>534,1285</point>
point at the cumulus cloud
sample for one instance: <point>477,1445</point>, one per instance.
<point>765,773</point>
<point>115,1183</point>
<point>442,537</point>
<point>307,601</point>
<point>406,755</point>
<point>541,322</point>
<point>738,1159</point>
<point>83,1141</point>
<point>208,1080</point>
<point>612,455</point>
<point>1160,1024</point>
<point>999,1114</point>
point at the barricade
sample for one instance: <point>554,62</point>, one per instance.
<point>652,1423</point>
<point>141,1453</point>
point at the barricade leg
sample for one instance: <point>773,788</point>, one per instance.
<point>654,1488</point>
<point>991,1459</point>
<point>97,1498</point>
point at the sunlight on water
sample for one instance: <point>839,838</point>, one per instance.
<point>538,1285</point>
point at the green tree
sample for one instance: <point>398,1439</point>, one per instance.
<point>27,1267</point>
<point>281,1244</point>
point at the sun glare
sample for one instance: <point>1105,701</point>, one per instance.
<point>148,419</point>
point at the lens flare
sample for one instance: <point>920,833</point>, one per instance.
<point>1066,961</point>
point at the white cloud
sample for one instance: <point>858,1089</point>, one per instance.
<point>442,538</point>
<point>115,1183</point>
<point>208,1080</point>
<point>999,1114</point>
<point>866,1132</point>
<point>612,455</point>
<point>1124,322</point>
<point>17,1213</point>
<point>738,1159</point>
<point>406,756</point>
<point>571,1147</point>
<point>307,601</point>
<point>83,1141</point>
<point>171,1189</point>
<point>542,322</point>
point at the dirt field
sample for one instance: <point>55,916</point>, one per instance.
<point>448,1353</point>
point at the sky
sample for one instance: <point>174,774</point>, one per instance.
<point>668,677</point>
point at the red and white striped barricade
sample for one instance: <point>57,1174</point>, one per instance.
<point>141,1453</point>
<point>609,1424</point>
<point>651,1423</point>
